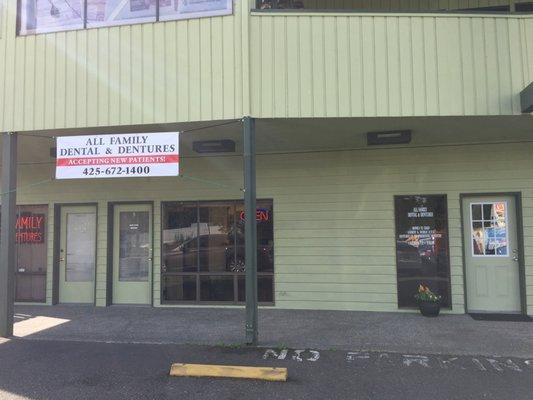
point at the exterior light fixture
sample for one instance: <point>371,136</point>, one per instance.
<point>389,137</point>
<point>214,146</point>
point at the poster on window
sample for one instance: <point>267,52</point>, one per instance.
<point>183,9</point>
<point>422,252</point>
<point>489,229</point>
<point>128,155</point>
<point>42,16</point>
<point>120,12</point>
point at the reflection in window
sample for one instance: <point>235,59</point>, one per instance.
<point>489,229</point>
<point>180,238</point>
<point>217,237</point>
<point>41,16</point>
<point>203,251</point>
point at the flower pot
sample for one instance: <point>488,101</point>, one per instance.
<point>429,308</point>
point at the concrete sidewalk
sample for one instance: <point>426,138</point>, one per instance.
<point>323,330</point>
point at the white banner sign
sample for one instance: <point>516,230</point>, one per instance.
<point>117,156</point>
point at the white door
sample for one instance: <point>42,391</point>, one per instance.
<point>77,258</point>
<point>491,254</point>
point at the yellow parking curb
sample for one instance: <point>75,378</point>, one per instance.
<point>229,371</point>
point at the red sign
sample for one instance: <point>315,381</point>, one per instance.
<point>261,215</point>
<point>30,228</point>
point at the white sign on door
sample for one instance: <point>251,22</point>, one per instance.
<point>118,156</point>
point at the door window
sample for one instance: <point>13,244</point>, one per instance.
<point>488,222</point>
<point>81,244</point>
<point>134,253</point>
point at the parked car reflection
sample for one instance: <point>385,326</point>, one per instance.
<point>216,253</point>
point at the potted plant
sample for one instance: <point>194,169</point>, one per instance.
<point>428,302</point>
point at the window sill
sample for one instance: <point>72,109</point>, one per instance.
<point>194,304</point>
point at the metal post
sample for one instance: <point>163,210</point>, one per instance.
<point>250,230</point>
<point>7,232</point>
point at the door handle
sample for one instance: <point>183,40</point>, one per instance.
<point>515,258</point>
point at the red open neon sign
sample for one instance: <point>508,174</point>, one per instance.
<point>261,215</point>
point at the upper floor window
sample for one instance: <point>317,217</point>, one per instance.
<point>400,6</point>
<point>42,16</point>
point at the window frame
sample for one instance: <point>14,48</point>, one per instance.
<point>198,273</point>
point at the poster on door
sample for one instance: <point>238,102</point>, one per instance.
<point>118,156</point>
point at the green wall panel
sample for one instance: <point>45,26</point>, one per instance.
<point>313,64</point>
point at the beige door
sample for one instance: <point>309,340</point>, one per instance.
<point>491,254</point>
<point>132,254</point>
<point>77,257</point>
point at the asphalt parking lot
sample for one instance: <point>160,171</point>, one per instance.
<point>34,369</point>
<point>79,352</point>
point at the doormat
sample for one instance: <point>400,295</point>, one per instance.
<point>502,317</point>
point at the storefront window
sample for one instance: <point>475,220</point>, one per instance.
<point>179,287</point>
<point>203,252</point>
<point>217,237</point>
<point>180,238</point>
<point>422,255</point>
<point>31,239</point>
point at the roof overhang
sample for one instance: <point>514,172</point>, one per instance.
<point>526,99</point>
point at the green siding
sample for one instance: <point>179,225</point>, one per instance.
<point>101,254</point>
<point>333,212</point>
<point>352,65</point>
<point>149,73</point>
<point>305,64</point>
